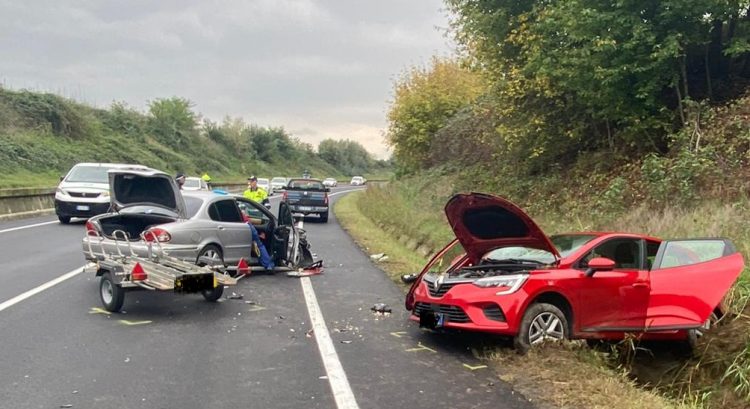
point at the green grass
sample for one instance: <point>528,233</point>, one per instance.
<point>375,240</point>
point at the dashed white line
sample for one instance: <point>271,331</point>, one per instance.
<point>39,289</point>
<point>28,226</point>
<point>342,391</point>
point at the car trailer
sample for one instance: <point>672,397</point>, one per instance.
<point>126,271</point>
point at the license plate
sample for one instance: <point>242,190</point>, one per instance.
<point>431,320</point>
<point>305,208</point>
<point>193,283</point>
<point>83,208</point>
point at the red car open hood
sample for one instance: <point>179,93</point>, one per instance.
<point>483,222</point>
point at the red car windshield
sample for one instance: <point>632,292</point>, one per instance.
<point>565,244</point>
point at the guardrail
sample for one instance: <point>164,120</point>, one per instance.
<point>28,202</point>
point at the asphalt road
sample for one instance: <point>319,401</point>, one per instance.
<point>58,348</point>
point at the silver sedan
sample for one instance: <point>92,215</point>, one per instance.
<point>190,225</point>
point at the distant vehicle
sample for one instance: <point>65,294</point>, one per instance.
<point>306,174</point>
<point>84,191</point>
<point>307,196</point>
<point>330,182</point>
<point>514,280</point>
<point>195,183</point>
<point>265,184</point>
<point>278,183</point>
<point>358,181</point>
<point>191,225</point>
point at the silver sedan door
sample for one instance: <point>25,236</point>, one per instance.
<point>235,235</point>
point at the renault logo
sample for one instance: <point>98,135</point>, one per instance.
<point>438,282</point>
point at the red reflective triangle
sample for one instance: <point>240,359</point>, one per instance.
<point>242,267</point>
<point>138,273</point>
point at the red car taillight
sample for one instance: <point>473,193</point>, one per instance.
<point>138,273</point>
<point>157,234</point>
<point>91,229</point>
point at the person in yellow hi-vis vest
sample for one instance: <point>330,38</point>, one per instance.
<point>206,179</point>
<point>255,193</point>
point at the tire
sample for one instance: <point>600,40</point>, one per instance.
<point>324,217</point>
<point>214,294</point>
<point>541,322</point>
<point>689,347</point>
<point>63,219</point>
<point>211,251</point>
<point>111,294</point>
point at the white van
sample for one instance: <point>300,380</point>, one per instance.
<point>84,191</point>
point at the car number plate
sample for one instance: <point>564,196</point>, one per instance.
<point>431,320</point>
<point>305,208</point>
<point>83,208</point>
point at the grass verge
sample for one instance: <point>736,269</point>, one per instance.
<point>373,239</point>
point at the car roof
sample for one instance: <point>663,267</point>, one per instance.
<point>111,165</point>
<point>305,179</point>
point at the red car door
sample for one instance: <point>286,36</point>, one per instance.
<point>614,300</point>
<point>688,281</point>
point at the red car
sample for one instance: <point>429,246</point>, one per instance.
<point>503,275</point>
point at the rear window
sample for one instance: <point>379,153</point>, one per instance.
<point>88,174</point>
<point>306,184</point>
<point>192,205</point>
<point>192,183</point>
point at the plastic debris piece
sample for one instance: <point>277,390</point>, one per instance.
<point>377,257</point>
<point>381,307</point>
<point>250,302</point>
<point>409,278</point>
<point>67,405</point>
<point>74,392</point>
<point>127,359</point>
<point>281,317</point>
<point>309,333</point>
<point>346,341</point>
<point>235,296</point>
<point>323,377</point>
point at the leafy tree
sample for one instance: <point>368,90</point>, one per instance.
<point>172,121</point>
<point>425,98</point>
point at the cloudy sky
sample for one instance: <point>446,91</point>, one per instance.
<point>322,69</point>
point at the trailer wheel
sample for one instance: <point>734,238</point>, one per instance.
<point>214,294</point>
<point>111,294</point>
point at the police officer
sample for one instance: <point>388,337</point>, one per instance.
<point>206,179</point>
<point>255,193</point>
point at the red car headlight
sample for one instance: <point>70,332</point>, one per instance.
<point>505,284</point>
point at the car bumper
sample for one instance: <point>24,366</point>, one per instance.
<point>95,245</point>
<point>80,209</point>
<point>308,209</point>
<point>470,308</point>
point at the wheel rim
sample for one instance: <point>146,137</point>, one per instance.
<point>546,326</point>
<point>107,291</point>
<point>211,253</point>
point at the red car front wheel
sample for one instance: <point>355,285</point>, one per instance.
<point>541,322</point>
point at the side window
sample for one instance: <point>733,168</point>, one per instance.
<point>626,253</point>
<point>225,211</point>
<point>252,212</point>
<point>652,247</point>
<point>677,253</point>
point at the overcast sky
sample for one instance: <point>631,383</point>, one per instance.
<point>321,69</point>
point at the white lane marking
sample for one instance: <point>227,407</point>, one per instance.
<point>342,392</point>
<point>45,286</point>
<point>28,226</point>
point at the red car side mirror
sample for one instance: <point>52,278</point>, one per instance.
<point>599,264</point>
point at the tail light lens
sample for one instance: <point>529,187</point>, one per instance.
<point>138,273</point>
<point>91,229</point>
<point>157,234</point>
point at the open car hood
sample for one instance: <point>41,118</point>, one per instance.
<point>145,187</point>
<point>483,222</point>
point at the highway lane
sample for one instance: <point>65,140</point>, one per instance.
<point>170,351</point>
